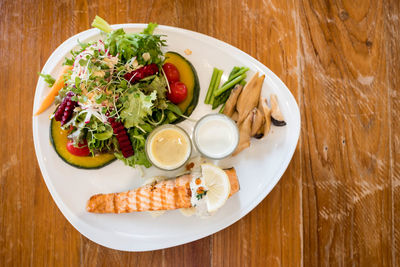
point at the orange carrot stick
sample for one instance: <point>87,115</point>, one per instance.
<point>58,84</point>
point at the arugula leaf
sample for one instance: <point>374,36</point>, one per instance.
<point>112,40</point>
<point>137,107</point>
<point>149,44</point>
<point>132,45</point>
<point>48,79</point>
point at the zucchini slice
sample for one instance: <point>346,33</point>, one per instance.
<point>58,138</point>
<point>188,76</point>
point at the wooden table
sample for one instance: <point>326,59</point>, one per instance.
<point>338,202</point>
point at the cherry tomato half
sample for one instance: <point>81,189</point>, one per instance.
<point>81,151</point>
<point>178,92</point>
<point>171,72</point>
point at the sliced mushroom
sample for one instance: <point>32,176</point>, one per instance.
<point>260,133</point>
<point>257,124</point>
<point>235,116</point>
<point>248,98</point>
<point>267,115</point>
<point>244,134</point>
<point>260,105</point>
<point>276,114</point>
<point>232,100</point>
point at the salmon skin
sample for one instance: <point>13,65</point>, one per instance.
<point>164,195</point>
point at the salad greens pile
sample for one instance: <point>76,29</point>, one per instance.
<point>101,91</point>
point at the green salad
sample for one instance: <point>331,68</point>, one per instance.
<point>115,94</point>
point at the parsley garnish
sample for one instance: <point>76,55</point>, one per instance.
<point>200,196</point>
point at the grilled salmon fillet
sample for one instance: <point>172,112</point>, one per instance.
<point>164,195</point>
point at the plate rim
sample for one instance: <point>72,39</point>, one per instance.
<point>86,229</point>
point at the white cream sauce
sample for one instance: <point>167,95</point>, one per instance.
<point>198,199</point>
<point>216,136</point>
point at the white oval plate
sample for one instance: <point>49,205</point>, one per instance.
<point>259,167</point>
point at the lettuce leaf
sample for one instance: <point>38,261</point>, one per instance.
<point>139,158</point>
<point>138,139</point>
<point>137,107</point>
<point>158,84</point>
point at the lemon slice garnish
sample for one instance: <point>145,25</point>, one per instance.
<point>217,182</point>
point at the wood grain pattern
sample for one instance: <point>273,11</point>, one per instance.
<point>392,33</point>
<point>338,204</point>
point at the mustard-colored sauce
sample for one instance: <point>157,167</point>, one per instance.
<point>169,148</point>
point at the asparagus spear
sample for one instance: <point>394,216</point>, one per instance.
<point>216,85</point>
<point>230,84</point>
<point>211,87</point>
